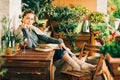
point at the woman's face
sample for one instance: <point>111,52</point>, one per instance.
<point>28,19</point>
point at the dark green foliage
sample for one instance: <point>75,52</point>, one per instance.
<point>60,13</point>
<point>67,26</point>
<point>17,38</point>
<point>113,48</point>
<point>41,7</point>
<point>116,13</point>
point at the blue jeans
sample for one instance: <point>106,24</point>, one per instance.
<point>59,54</point>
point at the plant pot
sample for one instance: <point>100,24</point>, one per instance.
<point>96,32</point>
<point>114,66</point>
<point>17,47</point>
<point>8,51</point>
<point>111,59</point>
<point>117,23</point>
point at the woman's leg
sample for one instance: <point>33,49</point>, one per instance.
<point>83,64</point>
<point>62,54</point>
<point>66,57</point>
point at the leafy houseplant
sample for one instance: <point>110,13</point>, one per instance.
<point>80,11</point>
<point>17,38</point>
<point>41,7</point>
<point>68,30</point>
<point>101,31</point>
<point>112,48</point>
<point>96,17</point>
<point>116,13</point>
<point>6,31</point>
<point>60,13</point>
<point>7,37</point>
<point>17,41</point>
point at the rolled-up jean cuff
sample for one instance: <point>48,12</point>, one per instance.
<point>59,54</point>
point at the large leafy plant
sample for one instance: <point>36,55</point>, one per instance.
<point>68,30</point>
<point>112,48</point>
<point>60,13</point>
<point>41,7</point>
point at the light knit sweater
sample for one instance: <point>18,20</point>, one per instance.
<point>35,36</point>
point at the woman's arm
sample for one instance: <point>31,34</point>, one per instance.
<point>48,39</point>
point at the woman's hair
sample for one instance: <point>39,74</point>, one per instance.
<point>29,11</point>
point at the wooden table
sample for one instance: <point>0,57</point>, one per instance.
<point>32,65</point>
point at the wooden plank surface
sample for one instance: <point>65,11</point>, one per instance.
<point>31,54</point>
<point>37,64</point>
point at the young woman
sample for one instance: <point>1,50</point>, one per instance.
<point>35,36</point>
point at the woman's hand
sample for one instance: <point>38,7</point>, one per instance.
<point>26,25</point>
<point>62,46</point>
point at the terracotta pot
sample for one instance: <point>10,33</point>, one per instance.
<point>96,32</point>
<point>17,47</point>
<point>114,66</point>
<point>111,59</point>
<point>8,51</point>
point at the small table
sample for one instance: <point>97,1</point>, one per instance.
<point>32,65</point>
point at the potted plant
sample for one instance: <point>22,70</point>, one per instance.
<point>6,36</point>
<point>68,30</point>
<point>17,41</point>
<point>116,15</point>
<point>96,17</point>
<point>80,11</point>
<point>60,13</point>
<point>112,53</point>
<point>112,48</point>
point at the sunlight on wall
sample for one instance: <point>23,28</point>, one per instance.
<point>90,4</point>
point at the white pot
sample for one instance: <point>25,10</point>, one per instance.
<point>117,22</point>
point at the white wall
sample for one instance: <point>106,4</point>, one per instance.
<point>11,9</point>
<point>102,6</point>
<point>14,12</point>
